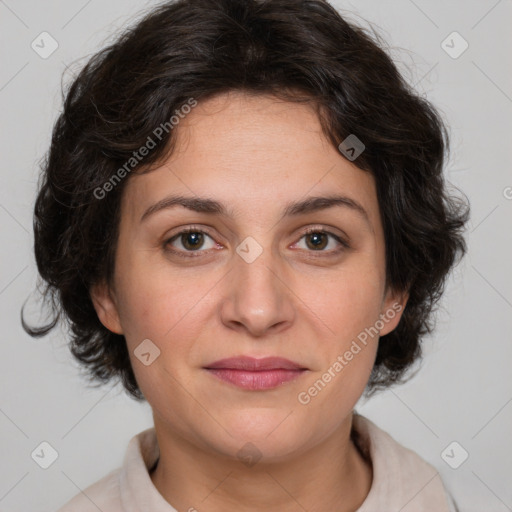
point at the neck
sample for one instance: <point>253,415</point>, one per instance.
<point>332,475</point>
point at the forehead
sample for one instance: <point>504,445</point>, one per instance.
<point>250,150</point>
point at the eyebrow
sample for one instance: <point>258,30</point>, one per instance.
<point>211,206</point>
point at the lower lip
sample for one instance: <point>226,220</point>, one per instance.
<point>264,379</point>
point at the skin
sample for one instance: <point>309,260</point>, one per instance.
<point>307,304</point>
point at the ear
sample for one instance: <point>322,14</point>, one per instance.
<point>104,302</point>
<point>393,307</point>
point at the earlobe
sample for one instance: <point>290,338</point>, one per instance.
<point>392,310</point>
<point>106,307</point>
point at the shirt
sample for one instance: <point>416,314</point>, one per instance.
<point>402,480</point>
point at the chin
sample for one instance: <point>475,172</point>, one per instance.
<point>260,431</point>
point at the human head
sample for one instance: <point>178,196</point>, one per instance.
<point>298,51</point>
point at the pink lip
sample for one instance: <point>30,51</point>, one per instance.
<point>255,374</point>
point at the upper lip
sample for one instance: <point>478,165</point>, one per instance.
<point>253,364</point>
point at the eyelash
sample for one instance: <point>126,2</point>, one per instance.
<point>190,254</point>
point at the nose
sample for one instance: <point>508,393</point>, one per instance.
<point>258,299</point>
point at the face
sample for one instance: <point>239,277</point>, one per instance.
<point>255,277</point>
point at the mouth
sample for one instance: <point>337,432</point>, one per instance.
<point>256,374</point>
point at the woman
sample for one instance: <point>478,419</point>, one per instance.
<point>243,217</point>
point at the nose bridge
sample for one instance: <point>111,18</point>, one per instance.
<point>257,296</point>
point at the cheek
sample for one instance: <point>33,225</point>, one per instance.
<point>355,308</point>
<point>155,301</point>
<point>162,311</point>
<point>351,309</point>
<point>170,310</point>
<point>349,305</point>
<point>347,301</point>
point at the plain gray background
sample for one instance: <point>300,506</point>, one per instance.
<point>463,391</point>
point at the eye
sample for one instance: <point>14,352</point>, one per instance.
<point>191,240</point>
<point>317,240</point>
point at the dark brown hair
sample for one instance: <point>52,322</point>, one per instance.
<point>296,50</point>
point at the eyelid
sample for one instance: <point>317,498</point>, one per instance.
<point>343,241</point>
<point>343,238</point>
<point>184,230</point>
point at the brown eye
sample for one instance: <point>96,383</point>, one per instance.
<point>189,240</point>
<point>192,240</point>
<point>317,240</point>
